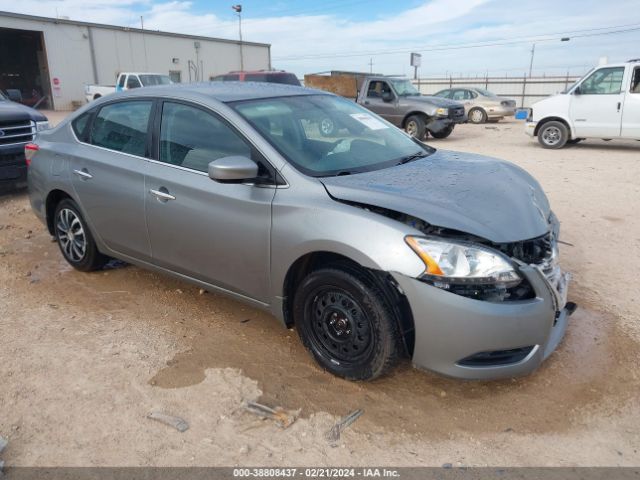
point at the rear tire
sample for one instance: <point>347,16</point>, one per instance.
<point>442,133</point>
<point>74,238</point>
<point>553,135</point>
<point>415,127</point>
<point>477,115</point>
<point>344,320</point>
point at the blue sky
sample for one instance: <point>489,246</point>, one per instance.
<point>311,36</point>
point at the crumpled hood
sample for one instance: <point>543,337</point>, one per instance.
<point>437,101</point>
<point>483,196</point>
<point>12,111</point>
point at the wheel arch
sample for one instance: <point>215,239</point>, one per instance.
<point>54,197</point>
<point>312,261</point>
<point>420,113</point>
<point>553,119</point>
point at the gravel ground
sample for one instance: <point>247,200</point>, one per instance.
<point>85,357</point>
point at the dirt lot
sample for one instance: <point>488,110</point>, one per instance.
<point>85,357</point>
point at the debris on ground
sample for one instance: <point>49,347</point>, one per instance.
<point>333,436</point>
<point>176,422</point>
<point>283,418</point>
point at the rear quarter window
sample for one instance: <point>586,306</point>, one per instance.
<point>80,124</point>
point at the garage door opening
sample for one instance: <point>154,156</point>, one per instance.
<point>24,75</point>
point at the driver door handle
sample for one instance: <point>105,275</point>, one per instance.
<point>160,195</point>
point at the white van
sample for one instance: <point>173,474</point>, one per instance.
<point>605,104</point>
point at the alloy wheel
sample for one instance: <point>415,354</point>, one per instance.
<point>71,235</point>
<point>412,128</point>
<point>551,135</point>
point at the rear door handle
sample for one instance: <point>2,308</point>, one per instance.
<point>83,174</point>
<point>619,105</point>
<point>160,195</point>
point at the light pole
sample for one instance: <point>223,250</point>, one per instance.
<point>238,10</point>
<point>533,51</point>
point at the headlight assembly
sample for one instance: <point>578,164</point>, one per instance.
<point>40,126</point>
<point>443,112</point>
<point>467,269</point>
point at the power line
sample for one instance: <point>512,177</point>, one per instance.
<point>495,43</point>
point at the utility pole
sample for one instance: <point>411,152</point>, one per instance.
<point>371,65</point>
<point>238,10</point>
<point>533,51</point>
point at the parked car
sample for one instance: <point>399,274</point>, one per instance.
<point>394,99</point>
<point>372,244</point>
<point>126,81</point>
<point>268,76</point>
<point>481,105</point>
<point>605,104</point>
<point>18,126</point>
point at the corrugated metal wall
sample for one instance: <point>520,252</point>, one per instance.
<point>524,90</point>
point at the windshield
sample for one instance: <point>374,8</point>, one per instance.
<point>578,81</point>
<point>2,97</point>
<point>323,135</point>
<point>404,88</point>
<point>150,80</point>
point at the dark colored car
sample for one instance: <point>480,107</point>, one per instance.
<point>18,126</point>
<point>265,76</point>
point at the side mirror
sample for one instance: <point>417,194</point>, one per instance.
<point>233,169</point>
<point>387,96</point>
<point>577,91</point>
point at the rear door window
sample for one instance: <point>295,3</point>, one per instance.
<point>123,127</point>
<point>80,125</point>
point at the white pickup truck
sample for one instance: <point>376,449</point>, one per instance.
<point>605,104</point>
<point>126,81</point>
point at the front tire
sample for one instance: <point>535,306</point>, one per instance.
<point>76,243</point>
<point>553,135</point>
<point>344,320</point>
<point>415,127</point>
<point>442,133</point>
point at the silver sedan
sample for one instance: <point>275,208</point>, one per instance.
<point>372,244</point>
<point>481,105</point>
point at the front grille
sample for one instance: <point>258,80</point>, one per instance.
<point>537,251</point>
<point>12,133</point>
<point>456,112</point>
<point>496,357</point>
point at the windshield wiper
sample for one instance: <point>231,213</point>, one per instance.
<point>412,157</point>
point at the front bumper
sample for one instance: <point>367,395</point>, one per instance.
<point>450,328</point>
<point>530,128</point>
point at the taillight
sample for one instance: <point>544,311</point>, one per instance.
<point>30,150</point>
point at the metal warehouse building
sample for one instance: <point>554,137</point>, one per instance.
<point>56,58</point>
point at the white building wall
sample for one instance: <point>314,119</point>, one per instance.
<point>68,50</point>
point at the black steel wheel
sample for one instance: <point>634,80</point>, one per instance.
<point>343,319</point>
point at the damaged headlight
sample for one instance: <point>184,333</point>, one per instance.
<point>466,269</point>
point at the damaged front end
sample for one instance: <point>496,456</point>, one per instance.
<point>503,321</point>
